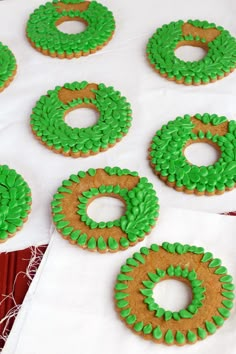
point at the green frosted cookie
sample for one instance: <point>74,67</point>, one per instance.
<point>211,286</point>
<point>44,35</point>
<point>220,47</point>
<point>48,125</point>
<point>7,66</point>
<point>170,164</point>
<point>15,202</point>
<point>70,203</point>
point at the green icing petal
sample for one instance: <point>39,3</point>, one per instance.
<point>211,328</point>
<point>92,243</point>
<point>131,319</point>
<point>191,336</point>
<point>215,263</point>
<point>157,333</point>
<point>138,326</point>
<point>201,333</point>
<point>82,239</point>
<point>180,338</point>
<point>219,321</point>
<point>101,243</point>
<point>125,313</point>
<point>169,338</point>
<point>147,329</point>
<point>224,312</point>
<point>112,243</point>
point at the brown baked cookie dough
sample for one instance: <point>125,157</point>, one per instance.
<point>49,126</point>
<point>44,36</point>
<point>212,293</point>
<point>220,47</point>
<point>69,209</point>
<point>169,163</point>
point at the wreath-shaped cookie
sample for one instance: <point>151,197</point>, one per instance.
<point>212,293</point>
<point>169,163</point>
<point>7,66</point>
<point>219,61</point>
<point>70,203</point>
<point>15,202</point>
<point>44,36</point>
<point>48,125</point>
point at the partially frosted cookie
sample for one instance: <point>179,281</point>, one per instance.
<point>211,286</point>
<point>44,36</point>
<point>70,203</point>
<point>170,164</point>
<point>15,202</point>
<point>220,47</point>
<point>48,125</point>
<point>7,66</point>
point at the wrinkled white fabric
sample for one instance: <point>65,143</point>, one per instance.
<point>69,307</point>
<point>122,64</point>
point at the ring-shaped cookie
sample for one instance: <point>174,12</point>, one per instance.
<point>170,164</point>
<point>212,293</point>
<point>44,36</point>
<point>7,66</point>
<point>69,209</point>
<point>48,125</point>
<point>219,61</point>
<point>15,202</point>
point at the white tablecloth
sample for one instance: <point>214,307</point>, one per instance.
<point>69,307</point>
<point>123,65</point>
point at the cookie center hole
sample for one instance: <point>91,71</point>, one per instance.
<point>106,209</point>
<point>190,53</point>
<point>82,118</point>
<point>201,154</point>
<point>72,27</point>
<point>172,295</point>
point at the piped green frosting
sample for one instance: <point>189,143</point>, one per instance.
<point>43,33</point>
<point>219,60</point>
<point>168,160</point>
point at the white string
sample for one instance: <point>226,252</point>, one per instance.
<point>34,262</point>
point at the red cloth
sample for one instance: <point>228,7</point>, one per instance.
<point>13,266</point>
<point>13,279</point>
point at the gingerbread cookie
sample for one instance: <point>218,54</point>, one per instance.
<point>7,66</point>
<point>15,202</point>
<point>219,61</point>
<point>47,120</point>
<point>171,166</point>
<point>69,208</point>
<point>44,36</point>
<point>212,293</point>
